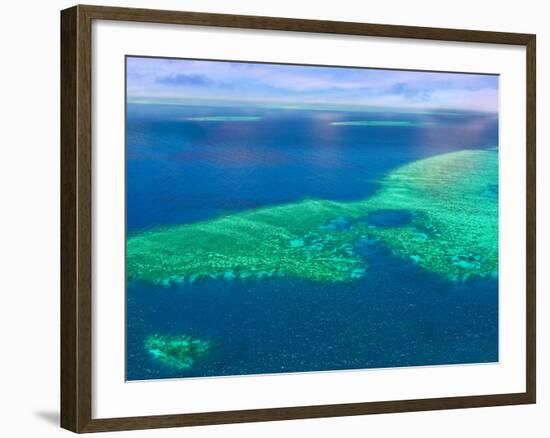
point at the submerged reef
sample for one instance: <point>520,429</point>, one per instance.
<point>178,352</point>
<point>388,123</point>
<point>225,119</point>
<point>441,213</point>
<point>454,228</point>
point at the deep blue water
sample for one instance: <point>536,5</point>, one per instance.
<point>182,171</point>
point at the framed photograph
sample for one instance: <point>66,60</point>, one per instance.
<point>270,218</point>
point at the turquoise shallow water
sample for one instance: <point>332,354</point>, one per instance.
<point>230,160</point>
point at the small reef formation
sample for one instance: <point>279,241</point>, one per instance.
<point>387,123</point>
<point>441,213</point>
<point>225,119</point>
<point>178,352</point>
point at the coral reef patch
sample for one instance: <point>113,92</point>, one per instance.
<point>441,213</point>
<point>178,352</point>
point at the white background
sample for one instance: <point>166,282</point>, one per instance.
<point>29,181</point>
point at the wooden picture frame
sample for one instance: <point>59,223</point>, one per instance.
<point>76,217</point>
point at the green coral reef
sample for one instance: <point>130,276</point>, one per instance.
<point>178,352</point>
<point>440,212</point>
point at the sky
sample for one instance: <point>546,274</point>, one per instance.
<point>280,84</point>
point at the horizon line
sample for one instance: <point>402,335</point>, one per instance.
<point>147,100</point>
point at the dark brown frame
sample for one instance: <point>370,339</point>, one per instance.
<point>76,219</point>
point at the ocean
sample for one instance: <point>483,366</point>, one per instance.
<point>189,165</point>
